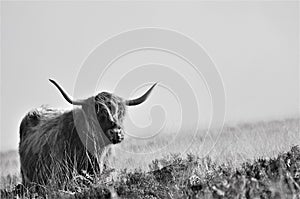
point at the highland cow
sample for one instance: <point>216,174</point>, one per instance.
<point>55,144</point>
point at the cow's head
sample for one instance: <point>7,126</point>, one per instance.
<point>109,109</point>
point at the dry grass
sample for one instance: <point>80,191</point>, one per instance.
<point>237,144</point>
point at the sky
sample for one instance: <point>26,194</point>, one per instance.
<point>254,46</point>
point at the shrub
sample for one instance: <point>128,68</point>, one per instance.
<point>191,177</point>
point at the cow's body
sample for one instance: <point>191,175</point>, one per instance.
<point>55,144</point>
<point>50,147</point>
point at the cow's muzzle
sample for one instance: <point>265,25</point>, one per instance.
<point>115,135</point>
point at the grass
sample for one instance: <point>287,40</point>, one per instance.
<point>250,160</point>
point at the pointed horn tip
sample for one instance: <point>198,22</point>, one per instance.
<point>142,98</point>
<point>155,84</point>
<point>152,87</point>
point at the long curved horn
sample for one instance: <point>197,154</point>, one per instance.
<point>141,99</point>
<point>65,95</point>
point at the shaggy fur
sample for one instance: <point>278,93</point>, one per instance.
<point>51,141</point>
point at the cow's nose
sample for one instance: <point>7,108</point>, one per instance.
<point>120,132</point>
<point>117,127</point>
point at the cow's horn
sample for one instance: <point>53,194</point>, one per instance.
<point>141,99</point>
<point>65,95</point>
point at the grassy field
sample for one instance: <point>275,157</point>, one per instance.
<point>248,160</point>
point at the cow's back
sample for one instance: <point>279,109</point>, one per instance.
<point>34,118</point>
<point>33,146</point>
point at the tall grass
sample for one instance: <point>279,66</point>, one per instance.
<point>9,169</point>
<point>236,146</point>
